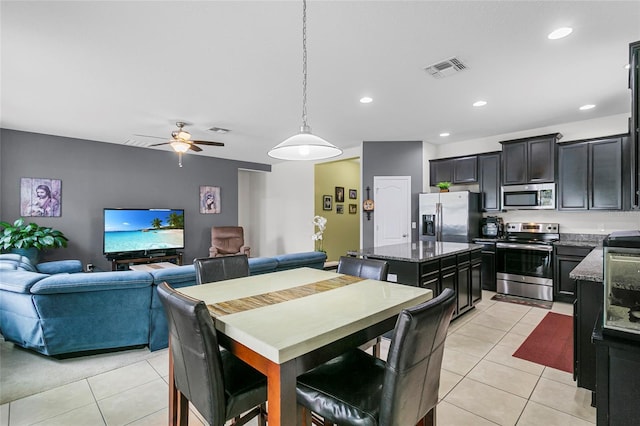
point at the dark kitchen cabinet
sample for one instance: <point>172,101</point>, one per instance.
<point>488,260</point>
<point>590,174</point>
<point>476,276</point>
<point>489,179</point>
<point>464,283</point>
<point>566,258</point>
<point>529,160</point>
<point>634,124</point>
<point>458,170</point>
<point>587,309</point>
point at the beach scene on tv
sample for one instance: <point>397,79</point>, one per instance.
<point>143,230</point>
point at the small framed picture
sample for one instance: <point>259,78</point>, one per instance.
<point>40,197</point>
<point>327,202</point>
<point>353,208</point>
<point>339,194</point>
<point>353,194</point>
<point>209,199</point>
<point>340,208</point>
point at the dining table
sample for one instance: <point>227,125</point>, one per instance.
<point>287,322</point>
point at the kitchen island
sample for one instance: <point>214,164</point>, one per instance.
<point>436,266</point>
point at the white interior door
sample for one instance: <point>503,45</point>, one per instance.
<point>392,216</point>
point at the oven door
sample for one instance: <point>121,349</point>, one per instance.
<point>525,270</point>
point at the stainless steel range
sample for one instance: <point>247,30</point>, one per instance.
<point>524,260</point>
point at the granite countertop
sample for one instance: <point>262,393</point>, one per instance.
<point>415,252</point>
<point>580,240</point>
<point>590,269</point>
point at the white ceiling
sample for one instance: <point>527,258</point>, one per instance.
<point>107,71</point>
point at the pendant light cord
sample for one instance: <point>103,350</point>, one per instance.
<point>304,64</point>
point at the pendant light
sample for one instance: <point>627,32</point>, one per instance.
<point>304,145</point>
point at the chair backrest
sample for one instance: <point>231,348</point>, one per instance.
<point>364,268</point>
<point>210,269</point>
<point>412,375</point>
<point>227,239</point>
<point>197,364</point>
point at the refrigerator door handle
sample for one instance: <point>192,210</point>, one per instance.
<point>439,221</point>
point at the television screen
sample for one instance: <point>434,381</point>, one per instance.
<point>143,230</point>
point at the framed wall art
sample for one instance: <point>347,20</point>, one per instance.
<point>339,194</point>
<point>353,194</point>
<point>40,197</point>
<point>209,199</point>
<point>353,208</point>
<point>327,202</point>
<point>340,208</point>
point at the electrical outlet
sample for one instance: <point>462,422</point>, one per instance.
<point>89,267</point>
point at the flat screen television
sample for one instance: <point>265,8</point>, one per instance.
<point>129,232</point>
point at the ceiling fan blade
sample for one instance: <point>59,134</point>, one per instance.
<point>158,144</point>
<point>208,143</point>
<point>195,148</point>
<point>149,136</point>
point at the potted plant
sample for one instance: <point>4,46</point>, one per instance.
<point>444,186</point>
<point>28,239</point>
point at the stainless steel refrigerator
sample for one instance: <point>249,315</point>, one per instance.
<point>449,216</point>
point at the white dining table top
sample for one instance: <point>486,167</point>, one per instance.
<point>283,331</point>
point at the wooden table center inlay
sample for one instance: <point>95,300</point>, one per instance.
<point>274,297</point>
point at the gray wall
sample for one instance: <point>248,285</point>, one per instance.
<point>96,175</point>
<point>390,159</point>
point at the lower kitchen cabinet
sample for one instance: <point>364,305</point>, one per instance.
<point>488,271</point>
<point>586,310</point>
<point>566,258</point>
<point>618,377</point>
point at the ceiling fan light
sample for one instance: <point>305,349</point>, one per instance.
<point>180,146</point>
<point>304,146</point>
<point>183,135</point>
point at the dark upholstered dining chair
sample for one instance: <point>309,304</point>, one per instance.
<point>219,385</point>
<point>358,389</point>
<point>210,269</point>
<point>364,268</point>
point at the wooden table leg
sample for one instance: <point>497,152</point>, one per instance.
<point>281,388</point>
<point>178,404</point>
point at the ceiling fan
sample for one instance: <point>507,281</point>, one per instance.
<point>181,142</point>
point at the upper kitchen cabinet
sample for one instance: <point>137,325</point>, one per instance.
<point>590,174</point>
<point>634,124</point>
<point>489,181</point>
<point>458,170</point>
<point>529,160</point>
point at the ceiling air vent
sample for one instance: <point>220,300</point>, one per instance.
<point>446,68</point>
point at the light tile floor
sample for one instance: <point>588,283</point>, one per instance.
<point>481,383</point>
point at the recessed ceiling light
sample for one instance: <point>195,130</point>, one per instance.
<point>366,100</point>
<point>586,107</point>
<point>445,134</point>
<point>479,103</point>
<point>560,33</point>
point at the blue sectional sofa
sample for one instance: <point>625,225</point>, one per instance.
<point>54,308</point>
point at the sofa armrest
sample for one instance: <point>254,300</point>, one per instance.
<point>213,251</point>
<point>17,281</point>
<point>95,281</point>
<point>60,267</point>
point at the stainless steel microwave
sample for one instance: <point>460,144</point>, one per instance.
<point>541,196</point>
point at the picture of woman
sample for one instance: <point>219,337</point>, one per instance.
<point>209,199</point>
<point>40,197</point>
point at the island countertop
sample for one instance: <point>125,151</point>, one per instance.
<point>420,251</point>
<point>590,269</point>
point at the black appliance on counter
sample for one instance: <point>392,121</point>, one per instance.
<point>492,227</point>
<point>524,260</point>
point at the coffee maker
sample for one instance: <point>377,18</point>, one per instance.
<point>491,227</point>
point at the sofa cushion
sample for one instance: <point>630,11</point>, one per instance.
<point>60,267</point>
<point>18,281</point>
<point>180,276</point>
<point>95,281</point>
<point>262,265</point>
<point>311,259</point>
<point>16,261</point>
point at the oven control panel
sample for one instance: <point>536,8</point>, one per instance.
<point>532,227</point>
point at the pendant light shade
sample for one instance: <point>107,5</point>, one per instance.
<point>304,145</point>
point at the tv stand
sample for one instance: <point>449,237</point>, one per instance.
<point>122,263</point>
